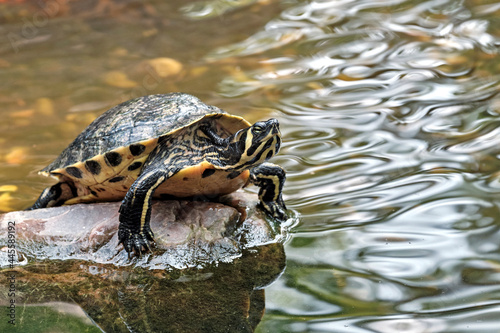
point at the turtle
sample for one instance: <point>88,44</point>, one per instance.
<point>165,146</point>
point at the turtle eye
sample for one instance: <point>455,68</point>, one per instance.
<point>257,129</point>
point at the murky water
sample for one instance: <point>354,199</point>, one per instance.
<point>389,112</point>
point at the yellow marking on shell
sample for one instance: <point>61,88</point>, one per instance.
<point>61,172</point>
<point>229,122</point>
<point>87,177</point>
<point>128,158</point>
<point>53,174</point>
<point>134,173</point>
<point>107,172</point>
<point>233,123</point>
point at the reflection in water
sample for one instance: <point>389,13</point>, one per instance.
<point>225,298</point>
<point>390,115</point>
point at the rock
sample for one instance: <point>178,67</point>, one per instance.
<point>118,79</point>
<point>44,106</point>
<point>165,67</point>
<point>227,251</point>
<point>187,233</point>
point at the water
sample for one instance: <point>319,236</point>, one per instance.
<point>389,112</point>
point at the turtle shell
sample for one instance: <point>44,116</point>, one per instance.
<point>116,144</point>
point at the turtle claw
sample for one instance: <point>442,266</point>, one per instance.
<point>137,243</point>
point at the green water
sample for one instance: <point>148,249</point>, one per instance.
<point>390,118</point>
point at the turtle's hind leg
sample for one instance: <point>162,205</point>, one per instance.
<point>55,195</point>
<point>270,178</point>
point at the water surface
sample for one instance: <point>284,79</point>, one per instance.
<point>390,117</point>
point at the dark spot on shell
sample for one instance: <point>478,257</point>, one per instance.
<point>207,173</point>
<point>116,179</point>
<point>185,178</point>
<point>113,158</point>
<point>137,149</point>
<point>134,166</point>
<point>233,175</point>
<point>93,167</point>
<point>75,172</point>
<point>100,189</point>
<point>94,193</point>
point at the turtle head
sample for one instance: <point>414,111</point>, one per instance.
<point>256,144</point>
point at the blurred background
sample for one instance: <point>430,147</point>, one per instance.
<point>390,118</point>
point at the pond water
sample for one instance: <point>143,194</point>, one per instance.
<point>390,118</point>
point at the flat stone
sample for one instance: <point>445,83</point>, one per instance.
<point>187,233</point>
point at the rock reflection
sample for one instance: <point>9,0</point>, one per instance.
<point>226,298</point>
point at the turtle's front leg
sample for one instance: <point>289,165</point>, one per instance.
<point>135,212</point>
<point>270,178</point>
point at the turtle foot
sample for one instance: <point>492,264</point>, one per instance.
<point>136,243</point>
<point>275,210</point>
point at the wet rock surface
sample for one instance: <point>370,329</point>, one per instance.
<point>187,233</point>
<point>206,273</point>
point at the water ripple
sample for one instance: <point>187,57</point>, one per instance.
<point>390,117</point>
<point>390,111</point>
